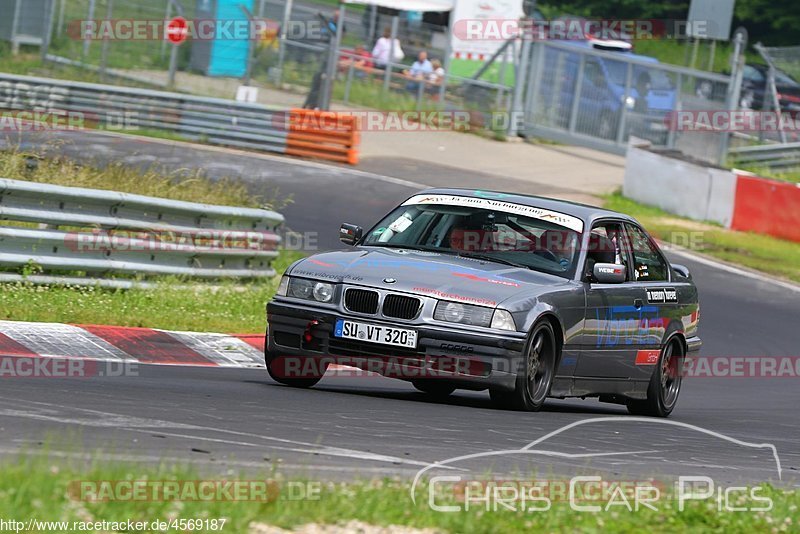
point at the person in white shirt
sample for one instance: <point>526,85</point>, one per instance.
<point>386,50</point>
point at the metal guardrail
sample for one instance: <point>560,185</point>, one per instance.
<point>96,231</point>
<point>216,120</point>
<point>773,155</point>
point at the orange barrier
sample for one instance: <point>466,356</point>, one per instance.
<point>767,207</point>
<point>323,135</point>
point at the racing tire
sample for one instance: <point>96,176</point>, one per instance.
<point>439,390</point>
<point>665,384</point>
<point>274,362</point>
<point>535,372</point>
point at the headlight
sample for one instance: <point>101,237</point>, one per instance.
<point>502,320</point>
<point>323,292</point>
<point>630,102</point>
<point>454,312</point>
<point>309,290</point>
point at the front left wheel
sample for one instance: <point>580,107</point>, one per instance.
<point>535,372</point>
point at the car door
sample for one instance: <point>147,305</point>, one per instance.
<point>614,315</point>
<point>651,272</point>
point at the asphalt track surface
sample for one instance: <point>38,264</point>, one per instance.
<point>355,426</point>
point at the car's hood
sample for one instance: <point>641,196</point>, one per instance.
<point>443,276</point>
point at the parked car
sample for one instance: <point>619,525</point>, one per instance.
<point>754,89</point>
<point>652,94</point>
<point>524,296</point>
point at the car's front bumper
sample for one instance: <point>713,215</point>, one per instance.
<point>465,359</point>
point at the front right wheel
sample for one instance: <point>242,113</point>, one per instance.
<point>535,372</point>
<point>665,384</point>
<point>294,371</point>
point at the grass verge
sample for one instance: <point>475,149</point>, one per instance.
<point>50,491</point>
<point>181,185</point>
<point>763,253</point>
<point>176,303</point>
<point>785,176</point>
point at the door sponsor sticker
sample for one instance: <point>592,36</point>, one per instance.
<point>662,295</point>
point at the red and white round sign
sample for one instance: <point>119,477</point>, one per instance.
<point>177,30</point>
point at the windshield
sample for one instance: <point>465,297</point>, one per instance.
<point>474,231</point>
<point>618,72</point>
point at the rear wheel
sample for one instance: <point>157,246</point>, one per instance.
<point>665,384</point>
<point>294,371</point>
<point>434,388</point>
<point>534,374</point>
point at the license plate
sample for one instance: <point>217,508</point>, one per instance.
<point>372,333</point>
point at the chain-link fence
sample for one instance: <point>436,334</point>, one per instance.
<point>600,98</point>
<point>287,52</point>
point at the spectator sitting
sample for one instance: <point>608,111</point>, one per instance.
<point>420,67</point>
<point>358,58</point>
<point>437,75</point>
<point>420,70</point>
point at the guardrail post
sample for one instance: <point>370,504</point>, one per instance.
<point>87,40</point>
<point>106,42</point>
<point>61,8</point>
<point>624,113</point>
<point>348,84</point>
<point>673,123</point>
<point>49,20</point>
<point>388,74</point>
<point>576,97</point>
<point>333,61</point>
<point>167,16</point>
<point>15,27</point>
<point>287,13</point>
<point>519,86</point>
<point>734,87</point>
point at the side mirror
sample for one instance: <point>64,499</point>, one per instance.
<point>350,234</point>
<point>682,270</point>
<point>609,273</point>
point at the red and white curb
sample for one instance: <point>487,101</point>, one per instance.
<point>121,344</point>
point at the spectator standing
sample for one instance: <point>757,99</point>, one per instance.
<point>387,50</point>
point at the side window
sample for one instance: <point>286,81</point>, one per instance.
<point>606,246</point>
<point>648,266</point>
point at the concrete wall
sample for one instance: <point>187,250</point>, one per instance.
<point>735,199</point>
<point>678,186</point>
